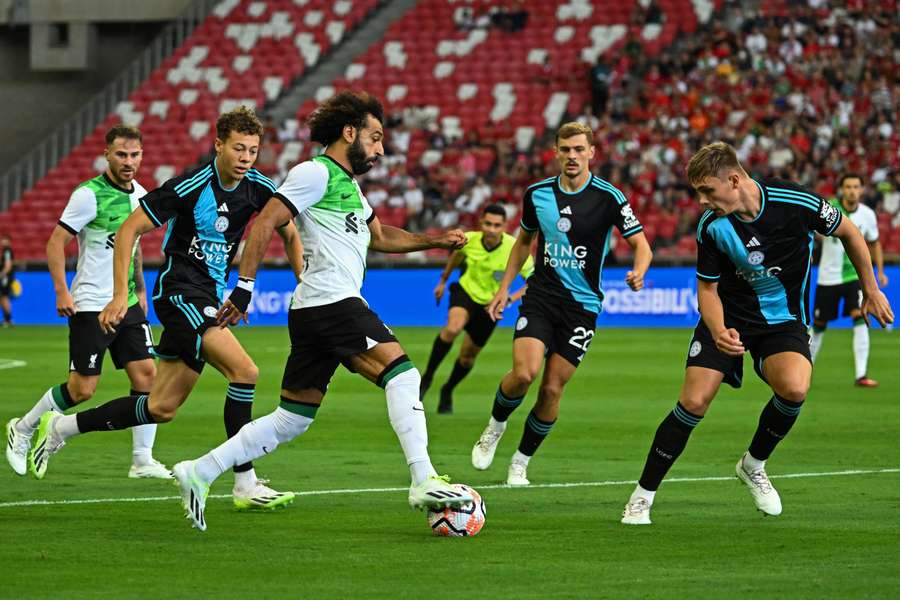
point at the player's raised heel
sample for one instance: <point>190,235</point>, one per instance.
<point>193,493</point>
<point>436,492</point>
<point>485,447</point>
<point>764,494</point>
<point>261,497</point>
<point>46,444</point>
<point>637,512</point>
<point>153,470</point>
<point>17,447</point>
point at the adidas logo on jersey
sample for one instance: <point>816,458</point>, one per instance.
<point>753,243</point>
<point>223,208</point>
<point>566,211</point>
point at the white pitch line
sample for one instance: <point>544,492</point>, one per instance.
<point>11,363</point>
<point>481,487</point>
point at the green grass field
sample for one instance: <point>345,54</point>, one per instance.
<point>88,531</point>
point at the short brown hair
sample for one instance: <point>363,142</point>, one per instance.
<point>573,128</point>
<point>129,132</point>
<point>711,160</point>
<point>240,120</point>
<point>327,122</point>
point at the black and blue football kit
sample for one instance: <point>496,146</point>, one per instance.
<point>762,268</point>
<point>205,224</point>
<point>565,293</point>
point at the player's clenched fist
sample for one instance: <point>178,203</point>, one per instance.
<point>452,240</point>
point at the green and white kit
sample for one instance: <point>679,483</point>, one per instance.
<point>835,267</point>
<point>96,210</point>
<point>332,216</point>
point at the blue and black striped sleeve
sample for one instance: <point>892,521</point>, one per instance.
<point>162,203</point>
<point>263,188</point>
<point>709,257</point>
<point>529,220</point>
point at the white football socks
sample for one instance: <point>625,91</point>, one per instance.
<point>407,416</point>
<point>142,438</point>
<point>498,426</point>
<point>32,418</point>
<point>861,349</point>
<point>520,458</point>
<point>256,438</point>
<point>640,492</point>
<point>750,464</point>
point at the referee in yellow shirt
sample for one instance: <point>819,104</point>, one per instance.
<point>485,255</point>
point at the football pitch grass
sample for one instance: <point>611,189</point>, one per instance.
<point>87,530</point>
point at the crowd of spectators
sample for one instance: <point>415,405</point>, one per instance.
<point>805,94</point>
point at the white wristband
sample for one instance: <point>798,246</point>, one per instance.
<point>245,283</point>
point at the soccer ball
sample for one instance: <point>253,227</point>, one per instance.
<point>465,521</point>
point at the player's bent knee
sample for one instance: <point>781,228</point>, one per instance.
<point>288,425</point>
<point>401,371</point>
<point>467,361</point>
<point>794,392</point>
<point>696,405</point>
<point>524,375</point>
<point>162,414</point>
<point>81,391</point>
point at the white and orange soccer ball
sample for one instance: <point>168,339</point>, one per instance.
<point>465,521</point>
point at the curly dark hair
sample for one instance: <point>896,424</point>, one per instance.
<point>129,132</point>
<point>240,120</point>
<point>345,108</point>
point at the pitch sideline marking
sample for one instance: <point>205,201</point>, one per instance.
<point>481,487</point>
<point>11,363</point>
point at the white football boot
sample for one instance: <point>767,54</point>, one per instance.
<point>436,492</point>
<point>485,447</point>
<point>193,493</point>
<point>761,489</point>
<point>517,474</point>
<point>637,512</point>
<point>17,447</point>
<point>153,470</point>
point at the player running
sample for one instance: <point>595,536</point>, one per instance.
<point>573,216</point>
<point>753,257</point>
<point>7,278</point>
<point>838,279</point>
<point>329,321</point>
<point>485,256</point>
<point>96,210</point>
<point>206,212</point>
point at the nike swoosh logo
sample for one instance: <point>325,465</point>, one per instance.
<point>345,196</point>
<point>264,449</point>
<point>111,219</point>
<point>419,409</point>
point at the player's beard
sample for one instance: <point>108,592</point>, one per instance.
<point>359,162</point>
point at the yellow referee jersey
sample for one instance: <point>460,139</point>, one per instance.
<point>485,268</point>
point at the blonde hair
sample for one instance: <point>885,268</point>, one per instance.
<point>711,160</point>
<point>573,128</point>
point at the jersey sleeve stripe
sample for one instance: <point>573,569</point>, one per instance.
<point>707,277</point>
<point>194,186</point>
<point>810,201</point>
<point>802,203</point>
<point>262,180</point>
<point>630,232</point>
<point>525,227</point>
<point>149,212</point>
<point>605,185</point>
<point>201,174</point>
<point>539,183</point>
<point>67,228</point>
<point>288,203</point>
<point>805,195</point>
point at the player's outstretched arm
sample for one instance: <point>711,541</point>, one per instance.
<point>273,215</point>
<point>874,301</point>
<point>386,238</point>
<point>136,224</point>
<point>456,259</point>
<point>713,315</point>
<point>293,247</point>
<point>56,264</point>
<point>642,257</point>
<point>520,252</point>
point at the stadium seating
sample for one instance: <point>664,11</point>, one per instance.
<point>245,52</point>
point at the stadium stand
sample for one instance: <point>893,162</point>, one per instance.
<point>805,91</point>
